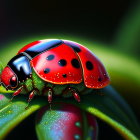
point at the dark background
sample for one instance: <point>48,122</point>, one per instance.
<point>90,19</point>
<point>93,19</point>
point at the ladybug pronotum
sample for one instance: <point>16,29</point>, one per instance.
<point>53,67</point>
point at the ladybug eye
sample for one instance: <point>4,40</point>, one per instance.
<point>13,81</point>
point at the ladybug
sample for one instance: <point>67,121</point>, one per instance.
<point>53,67</point>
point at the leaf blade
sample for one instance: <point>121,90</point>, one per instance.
<point>12,113</point>
<point>100,106</point>
<point>126,123</point>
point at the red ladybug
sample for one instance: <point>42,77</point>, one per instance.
<point>56,62</point>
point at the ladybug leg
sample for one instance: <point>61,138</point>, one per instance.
<point>16,93</point>
<point>31,95</point>
<point>50,91</point>
<point>74,93</point>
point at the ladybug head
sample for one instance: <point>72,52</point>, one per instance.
<point>8,78</point>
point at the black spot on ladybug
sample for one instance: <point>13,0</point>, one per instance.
<point>47,70</point>
<point>50,57</point>
<point>76,49</point>
<point>100,79</point>
<point>89,65</point>
<point>62,62</point>
<point>64,75</point>
<point>75,63</point>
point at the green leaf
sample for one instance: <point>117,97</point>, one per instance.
<point>110,108</point>
<point>65,122</point>
<point>12,113</point>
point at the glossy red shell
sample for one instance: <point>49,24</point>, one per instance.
<point>96,76</point>
<point>55,75</point>
<point>88,68</point>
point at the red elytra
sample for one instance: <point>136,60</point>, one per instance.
<point>55,75</point>
<point>94,73</point>
<point>71,63</point>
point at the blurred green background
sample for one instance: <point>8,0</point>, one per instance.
<point>111,29</point>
